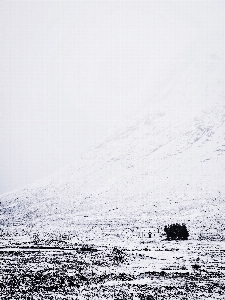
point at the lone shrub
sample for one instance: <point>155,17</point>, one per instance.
<point>118,255</point>
<point>176,232</point>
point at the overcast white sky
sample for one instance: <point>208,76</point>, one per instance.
<point>73,70</point>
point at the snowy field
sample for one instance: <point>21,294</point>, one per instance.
<point>154,270</point>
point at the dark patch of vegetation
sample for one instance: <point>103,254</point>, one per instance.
<point>176,232</point>
<point>63,275</point>
<point>118,255</point>
<point>196,267</point>
<point>20,282</point>
<point>88,248</point>
<point>111,276</point>
<point>145,297</point>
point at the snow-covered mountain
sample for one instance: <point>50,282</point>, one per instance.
<point>167,166</point>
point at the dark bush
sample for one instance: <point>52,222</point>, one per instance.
<point>145,297</point>
<point>176,232</point>
<point>87,248</point>
<point>118,255</point>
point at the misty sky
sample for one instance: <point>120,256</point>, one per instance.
<point>72,71</point>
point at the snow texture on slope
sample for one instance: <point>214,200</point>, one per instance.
<point>168,165</point>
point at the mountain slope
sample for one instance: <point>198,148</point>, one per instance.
<point>168,166</point>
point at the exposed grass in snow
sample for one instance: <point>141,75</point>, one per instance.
<point>165,270</point>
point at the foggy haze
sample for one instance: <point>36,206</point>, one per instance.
<point>72,71</point>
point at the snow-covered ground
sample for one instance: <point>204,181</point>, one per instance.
<point>172,270</point>
<point>167,166</point>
